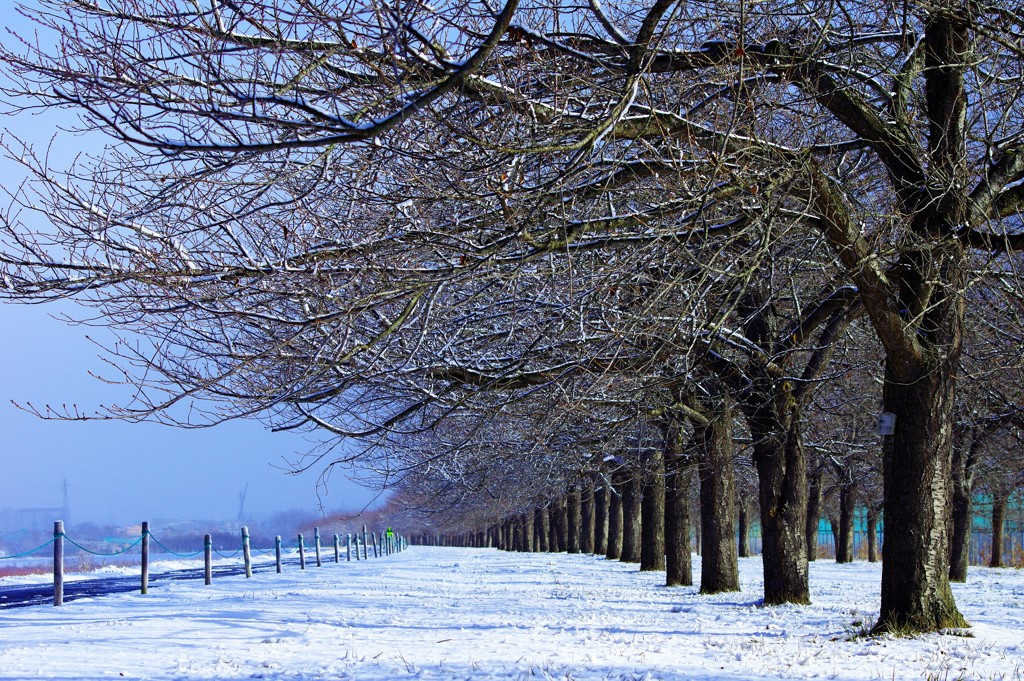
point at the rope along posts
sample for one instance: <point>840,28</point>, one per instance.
<point>25,554</point>
<point>146,540</point>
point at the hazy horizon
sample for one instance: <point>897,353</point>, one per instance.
<point>121,472</point>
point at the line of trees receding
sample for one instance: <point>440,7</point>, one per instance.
<point>491,250</point>
<point>545,530</point>
<point>605,512</point>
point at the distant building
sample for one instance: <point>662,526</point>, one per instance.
<point>29,520</point>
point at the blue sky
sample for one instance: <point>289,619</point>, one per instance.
<point>120,472</point>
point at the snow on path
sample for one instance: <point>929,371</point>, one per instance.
<point>436,613</point>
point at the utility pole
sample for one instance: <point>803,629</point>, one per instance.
<point>241,502</point>
<point>66,509</point>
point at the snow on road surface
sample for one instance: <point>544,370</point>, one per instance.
<point>443,613</point>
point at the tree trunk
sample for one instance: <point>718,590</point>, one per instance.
<point>960,538</point>
<point>698,540</point>
<point>587,519</point>
<point>540,529</point>
<point>652,509</point>
<point>601,520</point>
<point>782,482</point>
<point>844,540</point>
<point>556,536</point>
<point>999,503</point>
<point>872,535</point>
<point>678,562</point>
<point>632,498</point>
<point>572,521</point>
<point>615,522</point>
<point>963,489</point>
<point>719,569</point>
<point>813,512</point>
<point>923,345</point>
<point>916,595</point>
<point>743,549</point>
<point>526,519</point>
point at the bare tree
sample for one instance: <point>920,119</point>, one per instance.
<point>266,153</point>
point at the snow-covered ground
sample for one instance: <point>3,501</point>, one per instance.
<point>435,613</point>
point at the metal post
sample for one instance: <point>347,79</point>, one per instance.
<point>208,559</point>
<point>348,547</point>
<point>366,548</point>
<point>246,553</point>
<point>277,552</point>
<point>58,562</point>
<point>302,554</point>
<point>337,549</point>
<point>145,557</point>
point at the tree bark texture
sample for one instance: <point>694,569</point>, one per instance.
<point>652,508</point>
<point>615,521</point>
<point>698,540</point>
<point>556,528</point>
<point>526,520</point>
<point>844,540</point>
<point>813,512</point>
<point>572,521</point>
<point>719,563</point>
<point>601,520</point>
<point>743,524</point>
<point>782,483</point>
<point>873,553</point>
<point>678,561</point>
<point>632,499</point>
<point>923,342</point>
<point>540,529</point>
<point>587,519</point>
<point>963,489</point>
<point>916,595</point>
<point>960,537</point>
<point>999,503</point>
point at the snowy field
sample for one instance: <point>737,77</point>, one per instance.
<point>435,613</point>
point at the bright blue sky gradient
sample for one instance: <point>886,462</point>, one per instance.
<point>120,472</point>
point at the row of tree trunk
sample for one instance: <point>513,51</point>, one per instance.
<point>645,518</point>
<point>638,518</point>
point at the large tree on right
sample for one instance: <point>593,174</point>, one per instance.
<point>898,128</point>
<point>937,116</point>
<point>895,131</point>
